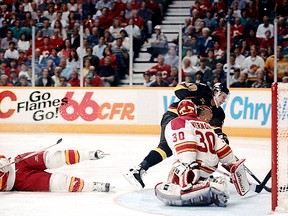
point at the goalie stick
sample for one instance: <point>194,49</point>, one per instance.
<point>32,154</point>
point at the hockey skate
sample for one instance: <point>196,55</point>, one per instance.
<point>134,177</point>
<point>101,187</point>
<point>95,155</point>
<point>220,199</point>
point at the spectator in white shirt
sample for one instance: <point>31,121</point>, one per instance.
<point>262,28</point>
<point>11,53</point>
<point>23,44</point>
<point>239,57</point>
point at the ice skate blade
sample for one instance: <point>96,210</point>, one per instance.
<point>132,181</point>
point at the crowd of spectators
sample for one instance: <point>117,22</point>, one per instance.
<point>105,49</point>
<point>204,40</point>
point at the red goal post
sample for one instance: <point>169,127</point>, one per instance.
<point>279,138</point>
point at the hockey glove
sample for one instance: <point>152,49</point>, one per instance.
<point>224,137</point>
<point>188,174</point>
<point>221,135</point>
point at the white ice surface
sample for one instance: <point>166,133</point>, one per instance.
<point>125,151</point>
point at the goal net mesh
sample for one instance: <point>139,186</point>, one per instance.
<point>281,150</point>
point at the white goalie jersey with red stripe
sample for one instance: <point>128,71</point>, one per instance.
<point>192,139</point>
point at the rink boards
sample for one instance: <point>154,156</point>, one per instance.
<point>120,110</point>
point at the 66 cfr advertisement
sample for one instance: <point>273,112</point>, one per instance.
<point>63,106</point>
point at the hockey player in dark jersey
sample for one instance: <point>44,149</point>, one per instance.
<point>201,95</point>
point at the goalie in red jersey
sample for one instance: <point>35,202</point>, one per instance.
<point>198,150</point>
<point>202,95</point>
<point>29,174</point>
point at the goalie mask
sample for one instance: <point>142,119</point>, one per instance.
<point>187,107</point>
<point>220,94</point>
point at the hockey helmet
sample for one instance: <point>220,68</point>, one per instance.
<point>205,113</point>
<point>219,87</point>
<point>219,98</point>
<point>187,107</point>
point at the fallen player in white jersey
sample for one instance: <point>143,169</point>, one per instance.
<point>198,151</point>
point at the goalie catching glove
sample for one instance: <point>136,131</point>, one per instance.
<point>188,174</point>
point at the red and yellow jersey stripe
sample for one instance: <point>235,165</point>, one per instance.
<point>204,168</point>
<point>224,151</point>
<point>186,147</point>
<point>72,157</point>
<point>76,184</point>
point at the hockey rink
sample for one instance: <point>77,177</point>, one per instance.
<point>125,151</point>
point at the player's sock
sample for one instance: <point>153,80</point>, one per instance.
<point>154,157</point>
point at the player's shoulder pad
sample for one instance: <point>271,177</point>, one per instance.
<point>187,86</point>
<point>192,86</point>
<point>182,85</point>
<point>178,123</point>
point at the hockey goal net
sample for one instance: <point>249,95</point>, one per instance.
<point>279,137</point>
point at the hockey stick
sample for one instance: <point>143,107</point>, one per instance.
<point>32,154</point>
<point>261,184</point>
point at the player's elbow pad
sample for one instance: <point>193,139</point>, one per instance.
<point>221,135</point>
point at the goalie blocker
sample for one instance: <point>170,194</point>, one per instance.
<point>239,177</point>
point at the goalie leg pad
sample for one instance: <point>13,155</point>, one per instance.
<point>169,193</point>
<point>201,194</point>
<point>219,191</point>
<point>239,177</point>
<point>198,195</point>
<point>172,195</point>
<point>172,177</point>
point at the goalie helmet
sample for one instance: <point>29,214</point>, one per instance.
<point>187,107</point>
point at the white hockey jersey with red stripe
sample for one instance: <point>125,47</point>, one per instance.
<point>192,139</point>
<point>7,174</point>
